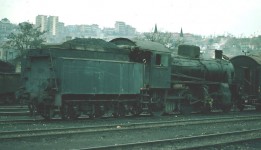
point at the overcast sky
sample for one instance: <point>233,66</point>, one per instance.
<point>204,17</point>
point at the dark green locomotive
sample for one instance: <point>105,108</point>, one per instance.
<point>182,82</point>
<point>94,77</point>
<point>208,81</point>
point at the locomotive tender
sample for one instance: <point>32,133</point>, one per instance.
<point>95,77</point>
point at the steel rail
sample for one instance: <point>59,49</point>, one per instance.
<point>191,142</point>
<point>120,127</point>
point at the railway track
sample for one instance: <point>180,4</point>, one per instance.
<point>14,110</point>
<point>188,142</point>
<point>122,127</point>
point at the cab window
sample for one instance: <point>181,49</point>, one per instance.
<point>161,60</point>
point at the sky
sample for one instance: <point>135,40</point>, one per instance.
<point>202,17</point>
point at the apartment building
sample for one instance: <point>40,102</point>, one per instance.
<point>41,21</point>
<point>53,25</point>
<point>121,28</point>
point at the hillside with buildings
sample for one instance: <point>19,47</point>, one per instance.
<point>58,32</point>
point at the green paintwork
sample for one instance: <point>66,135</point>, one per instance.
<point>89,76</point>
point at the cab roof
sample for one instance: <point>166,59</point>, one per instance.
<point>141,44</point>
<point>255,58</point>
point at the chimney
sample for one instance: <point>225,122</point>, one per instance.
<point>218,54</point>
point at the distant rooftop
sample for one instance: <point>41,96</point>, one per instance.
<point>5,20</point>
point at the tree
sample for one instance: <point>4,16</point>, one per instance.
<point>165,38</point>
<point>26,37</point>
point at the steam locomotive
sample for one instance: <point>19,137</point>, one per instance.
<point>124,76</point>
